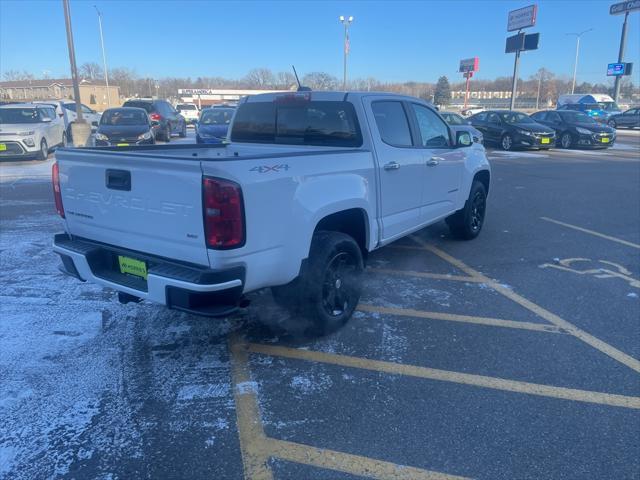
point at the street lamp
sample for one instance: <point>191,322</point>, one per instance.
<point>575,64</point>
<point>346,21</point>
<point>104,57</point>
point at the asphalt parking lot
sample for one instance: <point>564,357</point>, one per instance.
<point>514,356</point>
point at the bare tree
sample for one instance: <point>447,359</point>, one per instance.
<point>260,78</point>
<point>16,75</point>
<point>91,70</point>
<point>320,81</point>
<point>125,79</point>
<point>286,80</point>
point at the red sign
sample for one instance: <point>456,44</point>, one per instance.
<point>469,65</point>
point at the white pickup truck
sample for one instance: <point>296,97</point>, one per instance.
<point>308,184</point>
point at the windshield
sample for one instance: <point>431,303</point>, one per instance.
<point>183,107</point>
<point>453,119</point>
<point>19,115</point>
<point>576,117</point>
<point>216,117</point>
<point>72,107</point>
<point>124,117</point>
<point>515,117</point>
<point>609,106</point>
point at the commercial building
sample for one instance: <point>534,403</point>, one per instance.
<point>93,93</point>
<point>216,96</point>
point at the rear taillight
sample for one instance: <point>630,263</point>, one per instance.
<point>223,213</point>
<point>57,194</point>
<point>155,116</point>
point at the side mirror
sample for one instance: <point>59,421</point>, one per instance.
<point>463,139</point>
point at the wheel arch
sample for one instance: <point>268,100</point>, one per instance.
<point>351,221</point>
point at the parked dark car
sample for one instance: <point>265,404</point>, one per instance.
<point>124,126</point>
<point>459,123</point>
<point>509,129</point>
<point>576,129</point>
<point>628,119</point>
<point>213,125</point>
<point>169,121</point>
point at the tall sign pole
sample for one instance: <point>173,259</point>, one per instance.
<point>467,67</point>
<point>104,57</point>
<point>517,20</point>
<point>72,59</point>
<point>618,9</point>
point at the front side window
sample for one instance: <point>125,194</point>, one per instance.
<point>433,130</point>
<point>392,123</point>
<point>479,117</point>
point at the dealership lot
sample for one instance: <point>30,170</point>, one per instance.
<point>512,356</point>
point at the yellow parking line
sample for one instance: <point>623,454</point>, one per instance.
<point>435,276</point>
<point>449,376</point>
<point>591,232</point>
<point>589,339</point>
<point>494,322</point>
<point>353,464</point>
<point>250,429</point>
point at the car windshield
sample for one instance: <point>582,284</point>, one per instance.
<point>181,108</point>
<point>515,118</point>
<point>453,119</point>
<point>18,115</point>
<point>577,117</point>
<point>216,117</point>
<point>608,106</point>
<point>124,117</point>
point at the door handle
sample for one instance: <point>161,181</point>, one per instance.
<point>433,161</point>
<point>392,166</point>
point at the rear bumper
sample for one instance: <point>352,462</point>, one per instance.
<point>177,285</point>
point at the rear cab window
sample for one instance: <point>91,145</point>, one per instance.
<point>392,123</point>
<point>297,122</point>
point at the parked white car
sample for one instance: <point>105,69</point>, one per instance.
<point>66,109</point>
<point>30,130</point>
<point>310,183</point>
<point>189,111</point>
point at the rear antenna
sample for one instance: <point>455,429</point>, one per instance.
<point>301,88</point>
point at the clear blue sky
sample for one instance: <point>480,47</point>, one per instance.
<point>392,41</point>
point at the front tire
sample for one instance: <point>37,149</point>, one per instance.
<point>328,290</point>
<point>507,142</point>
<point>566,140</point>
<point>467,222</point>
<point>44,150</point>
<point>612,123</point>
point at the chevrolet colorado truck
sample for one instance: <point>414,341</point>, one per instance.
<point>307,184</point>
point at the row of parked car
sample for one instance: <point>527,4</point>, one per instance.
<point>546,129</point>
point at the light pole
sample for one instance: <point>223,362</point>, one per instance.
<point>575,63</point>
<point>104,57</point>
<point>346,21</point>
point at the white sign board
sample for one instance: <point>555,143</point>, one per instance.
<point>624,7</point>
<point>522,18</point>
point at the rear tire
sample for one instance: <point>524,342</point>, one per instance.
<point>167,133</point>
<point>44,150</point>
<point>467,223</point>
<point>612,123</point>
<point>328,290</point>
<point>183,132</point>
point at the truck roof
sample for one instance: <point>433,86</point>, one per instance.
<point>332,96</point>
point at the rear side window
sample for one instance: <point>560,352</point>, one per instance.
<point>147,106</point>
<point>392,123</point>
<point>332,124</point>
<point>480,117</point>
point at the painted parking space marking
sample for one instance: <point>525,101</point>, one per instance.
<point>614,270</point>
<point>450,317</point>
<point>589,339</point>
<point>256,448</point>
<point>483,381</point>
<point>434,276</point>
<point>591,232</point>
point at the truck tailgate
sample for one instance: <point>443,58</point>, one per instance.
<point>149,204</point>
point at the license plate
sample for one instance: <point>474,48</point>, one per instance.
<point>545,140</point>
<point>134,267</point>
<point>122,144</point>
<point>3,147</point>
<point>604,140</point>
